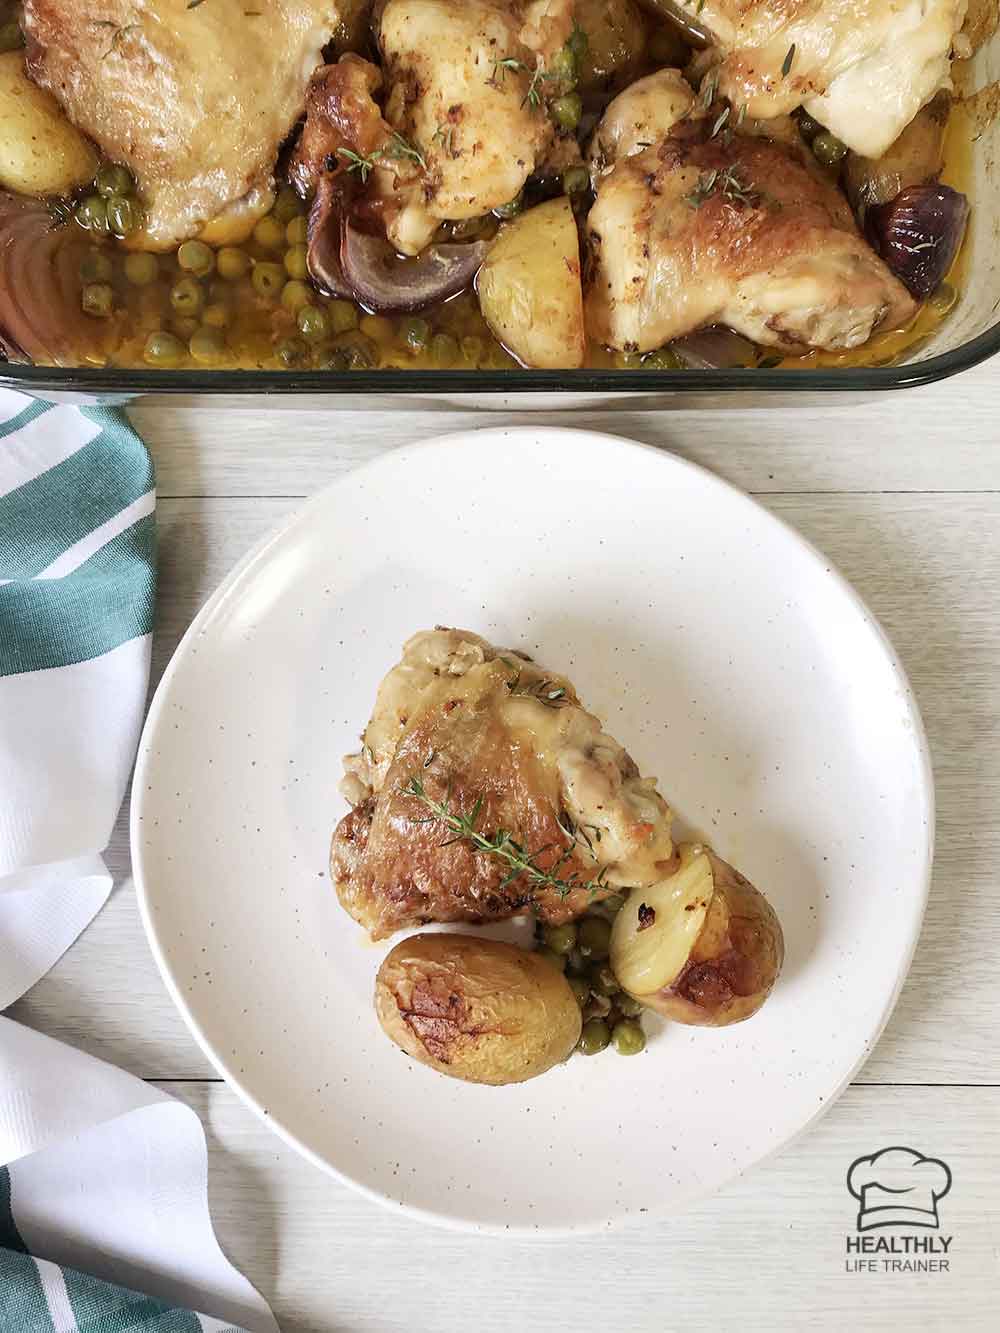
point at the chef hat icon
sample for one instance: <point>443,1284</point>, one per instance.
<point>898,1187</point>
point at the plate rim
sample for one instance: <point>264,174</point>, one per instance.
<point>230,584</point>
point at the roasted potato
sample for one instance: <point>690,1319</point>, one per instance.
<point>702,946</point>
<point>41,153</point>
<point>616,41</point>
<point>914,159</point>
<point>476,1009</point>
<point>530,291</point>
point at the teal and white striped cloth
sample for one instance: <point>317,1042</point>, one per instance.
<point>103,1179</point>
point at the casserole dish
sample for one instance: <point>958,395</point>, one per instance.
<point>969,334</point>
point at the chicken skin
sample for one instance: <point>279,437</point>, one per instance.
<point>509,749</point>
<point>733,230</point>
<point>196,99</point>
<point>862,68</point>
<point>465,91</point>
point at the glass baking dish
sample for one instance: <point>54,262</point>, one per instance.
<point>970,334</point>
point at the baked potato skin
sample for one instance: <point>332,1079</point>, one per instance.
<point>476,1009</point>
<point>41,153</point>
<point>735,960</point>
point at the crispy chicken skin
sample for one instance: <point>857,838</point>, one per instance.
<point>459,73</point>
<point>862,68</point>
<point>196,100</point>
<point>736,231</point>
<point>476,724</point>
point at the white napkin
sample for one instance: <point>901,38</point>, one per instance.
<point>99,1172</point>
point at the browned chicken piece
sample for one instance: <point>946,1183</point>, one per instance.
<point>487,736</point>
<point>195,99</point>
<point>862,68</point>
<point>737,231</point>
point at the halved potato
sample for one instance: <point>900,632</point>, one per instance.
<point>702,946</point>
<point>530,291</point>
<point>41,153</point>
<point>476,1009</point>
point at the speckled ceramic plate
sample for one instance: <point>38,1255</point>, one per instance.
<point>725,654</point>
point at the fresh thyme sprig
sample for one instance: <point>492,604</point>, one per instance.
<point>546,691</point>
<point>397,147</point>
<point>500,68</point>
<point>725,181</point>
<point>394,149</point>
<point>502,845</point>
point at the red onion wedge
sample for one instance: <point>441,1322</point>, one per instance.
<point>386,283</point>
<point>41,318</point>
<point>918,234</point>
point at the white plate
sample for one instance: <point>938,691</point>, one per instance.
<point>718,646</point>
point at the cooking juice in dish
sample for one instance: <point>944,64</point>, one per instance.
<point>281,291</point>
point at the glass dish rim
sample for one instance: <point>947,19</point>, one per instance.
<point>92,380</point>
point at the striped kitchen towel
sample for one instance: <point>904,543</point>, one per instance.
<point>77,578</point>
<point>102,1176</point>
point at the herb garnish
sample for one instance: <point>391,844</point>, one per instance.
<point>397,148</point>
<point>502,845</point>
<point>787,65</point>
<point>393,149</point>
<point>500,68</point>
<point>726,182</point>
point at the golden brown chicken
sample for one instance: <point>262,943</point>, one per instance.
<point>196,99</point>
<point>862,68</point>
<point>484,789</point>
<point>731,230</point>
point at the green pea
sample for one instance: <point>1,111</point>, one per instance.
<point>353,351</point>
<point>269,234</point>
<point>98,300</point>
<point>187,296</point>
<point>268,280</point>
<point>232,264</point>
<point>141,268</point>
<point>629,1037</point>
<point>511,209</point>
<point>595,1036</point>
<point>629,1006</point>
<point>343,316</point>
<point>314,323</point>
<point>828,149</point>
<point>576,963</point>
<point>207,346</point>
<point>564,65</point>
<point>444,349</point>
<point>96,266</point>
<point>594,937</point>
<point>124,215</point>
<point>603,980</point>
<point>556,959</point>
<point>295,294</point>
<point>575,180</point>
<point>808,127</point>
<point>297,231</point>
<point>11,37</point>
<point>113,178</point>
<point>217,315</point>
<point>92,214</point>
<point>163,349</point>
<point>295,263</point>
<point>196,257</point>
<point>580,988</point>
<point>185,326</point>
<point>663,359</point>
<point>288,205</point>
<point>416,333</point>
<point>566,111</point>
<point>291,352</point>
<point>560,938</point>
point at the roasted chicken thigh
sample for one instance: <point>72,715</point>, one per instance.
<point>196,99</point>
<point>738,230</point>
<point>467,736</point>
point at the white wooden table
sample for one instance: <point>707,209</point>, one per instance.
<point>904,495</point>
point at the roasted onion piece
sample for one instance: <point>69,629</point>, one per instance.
<point>715,348</point>
<point>324,237</point>
<point>914,159</point>
<point>41,319</point>
<point>694,33</point>
<point>386,283</point>
<point>918,234</point>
